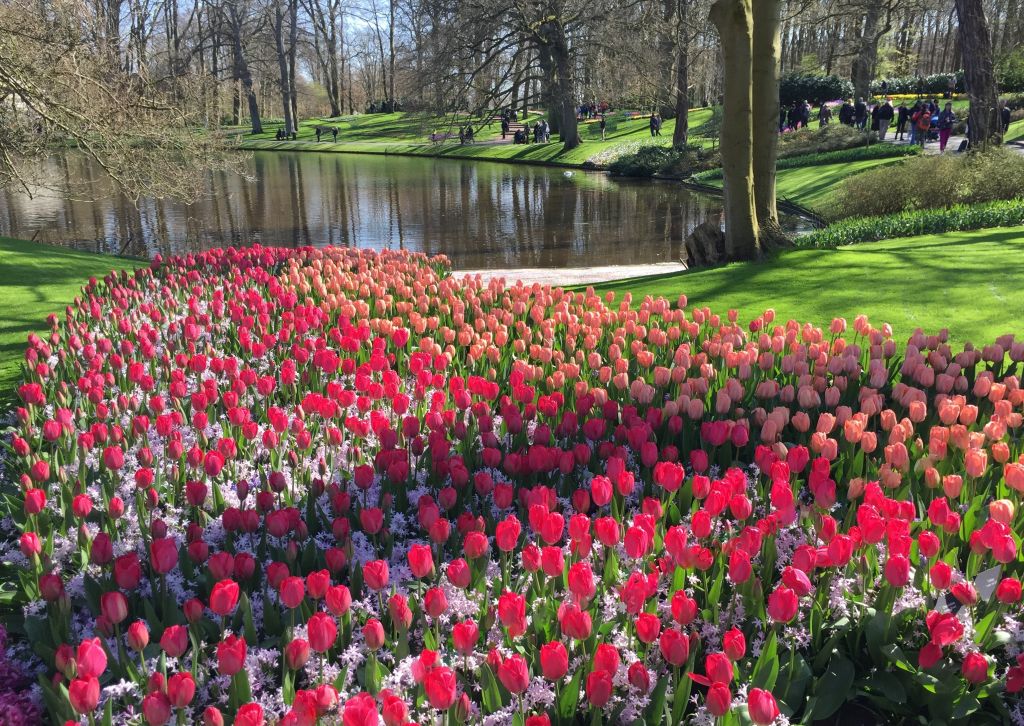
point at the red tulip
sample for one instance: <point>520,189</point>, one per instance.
<point>231,655</point>
<point>292,591</point>
<point>224,597</point>
<point>762,707</point>
<point>514,674</point>
<point>156,709</point>
<point>296,653</point>
<point>181,689</point>
<point>675,647</point>
<point>719,699</point>
<point>114,606</point>
<point>599,688</point>
<point>84,694</point>
<point>648,627</point>
<point>163,555</point>
<point>91,658</point>
<point>975,668</point>
<point>373,634</point>
<point>554,660</point>
<point>322,631</point>
<point>375,574</point>
<point>783,604</point>
<point>465,636</point>
<point>439,685</point>
<point>251,714</point>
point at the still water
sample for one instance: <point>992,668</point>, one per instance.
<point>482,215</point>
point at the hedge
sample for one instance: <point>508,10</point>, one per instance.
<point>959,218</point>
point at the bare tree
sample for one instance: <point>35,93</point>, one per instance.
<point>59,86</point>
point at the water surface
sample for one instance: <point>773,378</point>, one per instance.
<point>480,214</point>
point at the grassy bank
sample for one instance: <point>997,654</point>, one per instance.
<point>812,186</point>
<point>408,134</point>
<point>931,282</point>
<point>36,280</point>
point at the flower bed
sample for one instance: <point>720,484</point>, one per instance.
<point>268,486</point>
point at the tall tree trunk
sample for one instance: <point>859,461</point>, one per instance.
<point>765,80</point>
<point>978,71</point>
<point>282,65</point>
<point>242,73</point>
<point>561,96</point>
<point>734,20</point>
<point>391,54</point>
<point>863,66</point>
<point>293,46</point>
<point>667,41</point>
<point>681,133</point>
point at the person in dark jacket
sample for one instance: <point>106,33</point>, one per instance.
<point>860,114</point>
<point>885,114</point>
<point>824,116</point>
<point>846,113</point>
<point>805,114</point>
<point>874,118</point>
<point>782,118</point>
<point>902,114</point>
<point>1004,116</point>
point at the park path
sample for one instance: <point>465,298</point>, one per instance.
<point>932,147</point>
<point>565,276</point>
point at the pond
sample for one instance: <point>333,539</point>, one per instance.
<point>483,215</point>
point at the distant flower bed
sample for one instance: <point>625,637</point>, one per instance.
<point>269,486</point>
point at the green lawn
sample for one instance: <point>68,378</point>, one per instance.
<point>408,133</point>
<point>929,282</point>
<point>36,280</point>
<point>812,186</point>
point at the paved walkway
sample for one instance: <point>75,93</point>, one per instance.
<point>932,147</point>
<point>566,276</point>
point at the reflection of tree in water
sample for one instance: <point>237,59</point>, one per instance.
<point>482,215</point>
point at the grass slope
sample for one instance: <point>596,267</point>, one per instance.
<point>407,133</point>
<point>931,282</point>
<point>812,186</point>
<point>36,280</point>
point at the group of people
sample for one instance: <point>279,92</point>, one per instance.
<point>923,121</point>
<point>283,135</point>
<point>591,110</point>
<point>322,131</point>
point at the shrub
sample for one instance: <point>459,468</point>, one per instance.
<point>933,85</point>
<point>815,140</point>
<point>797,87</point>
<point>650,160</point>
<point>305,486</point>
<point>1010,72</point>
<point>931,182</point>
<point>958,218</point>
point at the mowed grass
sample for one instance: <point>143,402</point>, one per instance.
<point>813,187</point>
<point>408,133</point>
<point>36,280</point>
<point>968,282</point>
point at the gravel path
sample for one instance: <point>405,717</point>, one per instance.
<point>565,276</point>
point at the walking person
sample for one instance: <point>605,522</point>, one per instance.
<point>846,113</point>
<point>947,119</point>
<point>654,126</point>
<point>604,126</point>
<point>875,117</point>
<point>824,116</point>
<point>922,123</point>
<point>916,109</point>
<point>902,114</point>
<point>318,132</point>
<point>885,114</point>
<point>504,126</point>
<point>1004,116</point>
<point>860,114</point>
